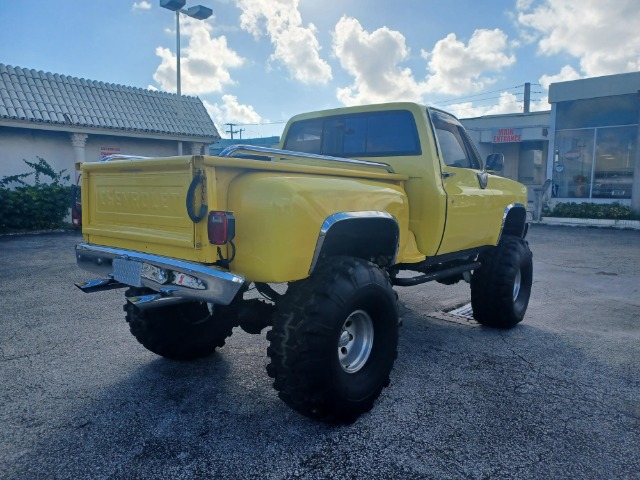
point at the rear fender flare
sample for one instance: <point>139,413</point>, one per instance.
<point>371,235</point>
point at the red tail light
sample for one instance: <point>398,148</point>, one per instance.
<point>76,215</point>
<point>221,227</point>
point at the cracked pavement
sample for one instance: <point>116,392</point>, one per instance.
<point>556,397</point>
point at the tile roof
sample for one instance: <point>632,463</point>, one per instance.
<point>36,96</point>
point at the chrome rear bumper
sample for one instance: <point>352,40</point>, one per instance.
<point>178,279</point>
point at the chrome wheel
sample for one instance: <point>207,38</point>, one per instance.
<point>516,285</point>
<point>355,341</point>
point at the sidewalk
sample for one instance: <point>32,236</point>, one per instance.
<point>590,222</point>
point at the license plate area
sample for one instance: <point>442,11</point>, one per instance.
<point>127,272</point>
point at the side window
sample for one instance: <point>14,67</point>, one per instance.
<point>455,146</point>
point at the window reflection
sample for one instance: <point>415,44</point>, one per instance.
<point>572,170</point>
<point>615,158</point>
<point>576,175</point>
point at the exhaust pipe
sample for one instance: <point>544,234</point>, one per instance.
<point>155,300</point>
<point>99,285</point>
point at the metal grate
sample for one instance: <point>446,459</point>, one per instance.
<point>461,315</point>
<point>465,312</point>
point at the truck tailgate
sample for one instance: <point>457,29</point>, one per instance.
<point>140,205</point>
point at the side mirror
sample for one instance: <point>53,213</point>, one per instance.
<point>495,162</point>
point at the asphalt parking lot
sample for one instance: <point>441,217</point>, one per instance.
<point>556,397</point>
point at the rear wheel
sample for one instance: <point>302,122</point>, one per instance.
<point>501,288</point>
<point>185,331</point>
<point>334,340</point>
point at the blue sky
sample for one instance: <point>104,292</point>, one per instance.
<point>257,62</point>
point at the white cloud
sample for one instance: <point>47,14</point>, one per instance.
<point>602,34</point>
<point>296,46</point>
<point>231,112</point>
<point>373,60</point>
<point>143,5</point>
<point>205,61</point>
<point>457,68</point>
<point>567,73</point>
<point>508,104</point>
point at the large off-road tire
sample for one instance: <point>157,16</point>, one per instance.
<point>334,340</point>
<point>185,331</point>
<point>501,288</point>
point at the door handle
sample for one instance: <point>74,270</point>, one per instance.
<point>447,174</point>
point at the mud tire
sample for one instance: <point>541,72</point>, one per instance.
<point>185,331</point>
<point>309,373</point>
<point>501,288</point>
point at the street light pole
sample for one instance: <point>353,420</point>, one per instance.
<point>178,89</point>
<point>198,12</point>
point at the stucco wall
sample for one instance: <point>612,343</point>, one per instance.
<point>17,144</point>
<point>131,146</point>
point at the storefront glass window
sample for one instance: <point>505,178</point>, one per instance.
<point>573,163</point>
<point>615,158</point>
<point>577,174</point>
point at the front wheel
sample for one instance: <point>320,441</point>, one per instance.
<point>334,340</point>
<point>501,288</point>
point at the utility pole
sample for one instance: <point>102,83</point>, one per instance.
<point>240,131</point>
<point>231,131</point>
<point>527,97</point>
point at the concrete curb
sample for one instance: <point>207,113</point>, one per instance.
<point>591,222</point>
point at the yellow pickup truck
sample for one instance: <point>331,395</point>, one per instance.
<point>354,202</point>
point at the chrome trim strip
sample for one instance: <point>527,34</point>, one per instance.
<point>233,149</point>
<point>220,287</point>
<point>341,216</point>
<point>504,216</point>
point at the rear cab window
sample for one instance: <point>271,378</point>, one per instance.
<point>370,134</point>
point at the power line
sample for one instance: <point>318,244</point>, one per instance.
<point>277,122</point>
<point>446,102</point>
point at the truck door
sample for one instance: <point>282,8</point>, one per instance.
<point>469,201</point>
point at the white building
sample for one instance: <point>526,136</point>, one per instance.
<point>593,154</point>
<point>66,120</point>
<point>523,138</point>
<point>587,145</point>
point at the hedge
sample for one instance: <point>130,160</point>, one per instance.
<point>37,206</point>
<point>610,211</point>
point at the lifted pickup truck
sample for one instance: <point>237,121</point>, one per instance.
<point>353,197</point>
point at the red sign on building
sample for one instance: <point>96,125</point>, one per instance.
<point>507,135</point>
<point>106,151</point>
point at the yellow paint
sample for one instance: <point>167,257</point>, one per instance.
<point>278,218</point>
<point>281,205</point>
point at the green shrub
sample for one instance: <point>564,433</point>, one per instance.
<point>610,211</point>
<point>42,205</point>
